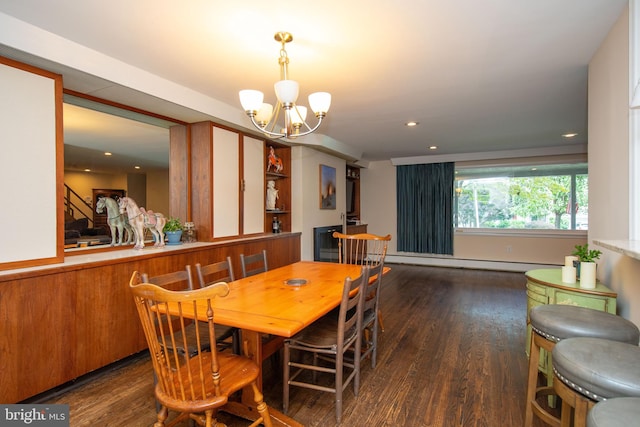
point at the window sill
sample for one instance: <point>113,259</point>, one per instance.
<point>630,248</point>
<point>556,234</point>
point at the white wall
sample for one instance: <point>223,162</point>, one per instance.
<point>305,194</point>
<point>609,166</point>
<point>378,200</point>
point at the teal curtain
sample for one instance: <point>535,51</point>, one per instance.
<point>425,208</point>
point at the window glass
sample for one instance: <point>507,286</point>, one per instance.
<point>522,197</point>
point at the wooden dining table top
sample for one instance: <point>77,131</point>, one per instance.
<point>266,303</point>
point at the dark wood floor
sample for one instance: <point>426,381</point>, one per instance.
<point>452,354</point>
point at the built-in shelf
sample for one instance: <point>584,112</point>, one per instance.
<point>630,248</point>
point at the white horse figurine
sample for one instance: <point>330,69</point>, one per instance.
<point>141,219</point>
<point>118,222</point>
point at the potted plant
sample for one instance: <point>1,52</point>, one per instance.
<point>173,230</point>
<point>587,268</point>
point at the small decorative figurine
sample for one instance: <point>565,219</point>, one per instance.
<point>140,219</point>
<point>274,161</point>
<point>118,222</point>
<point>272,195</point>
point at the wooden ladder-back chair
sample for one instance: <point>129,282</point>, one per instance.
<point>328,340</point>
<point>253,264</point>
<point>220,272</point>
<point>363,249</point>
<point>196,385</point>
<point>371,314</point>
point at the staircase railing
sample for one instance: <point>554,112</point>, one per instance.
<point>76,205</point>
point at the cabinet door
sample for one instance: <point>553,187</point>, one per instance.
<point>254,191</point>
<point>226,183</point>
<point>580,300</point>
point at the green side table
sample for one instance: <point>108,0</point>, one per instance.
<point>545,286</point>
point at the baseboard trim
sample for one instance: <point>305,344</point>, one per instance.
<point>435,261</point>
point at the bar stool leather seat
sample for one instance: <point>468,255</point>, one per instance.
<point>598,368</point>
<point>618,412</point>
<point>589,370</point>
<point>556,322</point>
<point>553,323</point>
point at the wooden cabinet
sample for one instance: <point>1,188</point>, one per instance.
<point>81,315</point>
<point>229,175</point>
<point>280,173</point>
<point>227,182</point>
<point>353,192</point>
<point>545,286</point>
<point>356,229</point>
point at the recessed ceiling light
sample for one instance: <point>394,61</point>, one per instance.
<point>136,167</point>
<point>107,153</point>
<point>87,170</point>
<point>433,147</point>
<point>412,124</point>
<point>569,135</point>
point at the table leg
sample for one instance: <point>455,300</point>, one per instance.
<point>252,348</point>
<point>246,408</point>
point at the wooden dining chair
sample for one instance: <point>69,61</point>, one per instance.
<point>253,264</point>
<point>195,385</point>
<point>329,340</point>
<point>363,249</point>
<point>371,313</point>
<point>182,280</point>
<point>222,271</point>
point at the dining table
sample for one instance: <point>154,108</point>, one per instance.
<point>279,302</point>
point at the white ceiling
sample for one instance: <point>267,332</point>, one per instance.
<point>478,76</point>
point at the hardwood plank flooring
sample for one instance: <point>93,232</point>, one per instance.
<point>452,354</point>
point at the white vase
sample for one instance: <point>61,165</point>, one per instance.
<point>588,275</point>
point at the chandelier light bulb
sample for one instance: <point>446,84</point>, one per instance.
<point>298,115</point>
<point>251,100</point>
<point>320,102</point>
<point>287,91</point>
<point>264,114</point>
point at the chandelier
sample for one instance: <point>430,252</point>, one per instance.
<point>265,117</point>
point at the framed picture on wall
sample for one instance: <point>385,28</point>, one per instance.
<point>327,187</point>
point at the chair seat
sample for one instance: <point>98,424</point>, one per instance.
<point>235,373</point>
<point>618,412</point>
<point>322,334</point>
<point>598,368</point>
<point>556,322</point>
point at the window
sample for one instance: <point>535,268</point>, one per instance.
<point>522,197</point>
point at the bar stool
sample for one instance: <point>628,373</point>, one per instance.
<point>552,323</point>
<point>618,412</point>
<point>590,370</point>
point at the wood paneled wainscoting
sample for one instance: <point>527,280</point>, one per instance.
<point>62,321</point>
